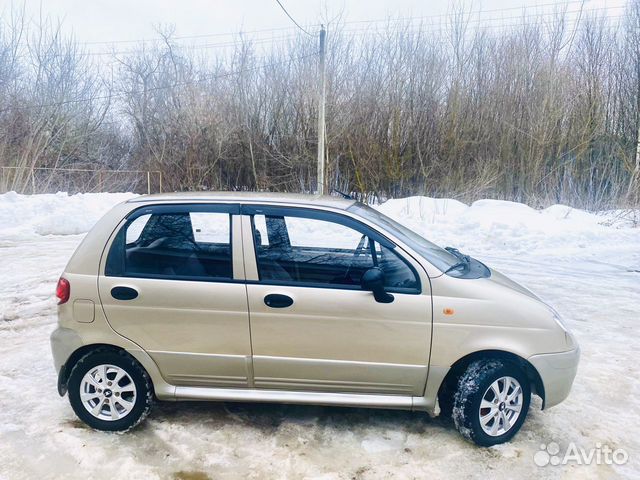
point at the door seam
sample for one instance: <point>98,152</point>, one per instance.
<point>249,360</point>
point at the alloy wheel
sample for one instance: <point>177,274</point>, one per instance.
<point>108,392</point>
<point>501,406</point>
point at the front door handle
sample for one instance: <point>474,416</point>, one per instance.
<point>124,293</point>
<point>276,300</point>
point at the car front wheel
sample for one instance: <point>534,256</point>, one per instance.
<point>110,391</point>
<point>491,402</point>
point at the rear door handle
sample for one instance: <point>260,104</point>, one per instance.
<point>124,293</point>
<point>276,300</point>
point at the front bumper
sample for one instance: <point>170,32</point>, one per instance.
<point>557,371</point>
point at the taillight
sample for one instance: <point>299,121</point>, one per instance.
<point>63,290</point>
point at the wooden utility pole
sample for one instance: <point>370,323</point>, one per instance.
<point>637,169</point>
<point>321,103</point>
<point>634,185</point>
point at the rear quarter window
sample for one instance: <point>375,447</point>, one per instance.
<point>135,228</point>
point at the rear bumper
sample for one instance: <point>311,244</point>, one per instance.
<point>557,371</point>
<point>64,342</point>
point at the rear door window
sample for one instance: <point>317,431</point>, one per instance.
<point>174,244</point>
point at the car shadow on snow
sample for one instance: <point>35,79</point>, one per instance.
<point>268,417</point>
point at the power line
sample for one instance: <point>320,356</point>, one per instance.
<point>201,46</point>
<point>387,20</point>
<point>188,37</point>
<point>163,87</point>
<point>431,28</point>
<point>266,30</point>
<point>436,29</point>
<point>477,12</point>
<point>292,19</point>
<point>480,21</point>
<point>497,28</point>
<point>132,51</point>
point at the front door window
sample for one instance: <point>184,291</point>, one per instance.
<point>297,249</point>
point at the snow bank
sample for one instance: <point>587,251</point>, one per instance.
<point>489,226</point>
<point>482,228</point>
<point>494,214</point>
<point>26,216</point>
<point>587,268</point>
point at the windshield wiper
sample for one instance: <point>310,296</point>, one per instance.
<point>464,260</point>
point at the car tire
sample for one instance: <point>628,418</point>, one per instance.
<point>491,401</point>
<point>110,391</point>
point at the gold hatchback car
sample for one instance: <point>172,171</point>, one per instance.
<point>297,299</point>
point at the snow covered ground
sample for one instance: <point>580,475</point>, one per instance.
<point>587,265</point>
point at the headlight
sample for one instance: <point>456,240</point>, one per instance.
<point>556,316</point>
<point>571,341</point>
<point>568,336</point>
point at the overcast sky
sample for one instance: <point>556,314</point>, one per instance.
<point>123,20</point>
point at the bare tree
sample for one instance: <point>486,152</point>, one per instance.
<point>544,110</point>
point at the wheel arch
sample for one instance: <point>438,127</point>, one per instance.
<point>65,371</point>
<point>460,366</point>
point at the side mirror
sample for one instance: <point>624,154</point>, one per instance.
<point>373,281</point>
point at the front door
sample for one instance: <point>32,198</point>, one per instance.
<point>173,282</point>
<point>312,326</point>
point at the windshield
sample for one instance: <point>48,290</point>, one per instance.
<point>436,255</point>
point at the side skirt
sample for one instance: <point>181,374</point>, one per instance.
<point>306,398</point>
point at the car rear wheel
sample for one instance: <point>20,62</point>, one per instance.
<point>491,402</point>
<point>110,391</point>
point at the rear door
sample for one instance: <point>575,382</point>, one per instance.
<point>173,282</point>
<point>312,326</point>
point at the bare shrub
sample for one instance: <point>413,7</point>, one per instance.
<point>543,111</point>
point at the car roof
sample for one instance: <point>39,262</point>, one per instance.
<point>247,197</point>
